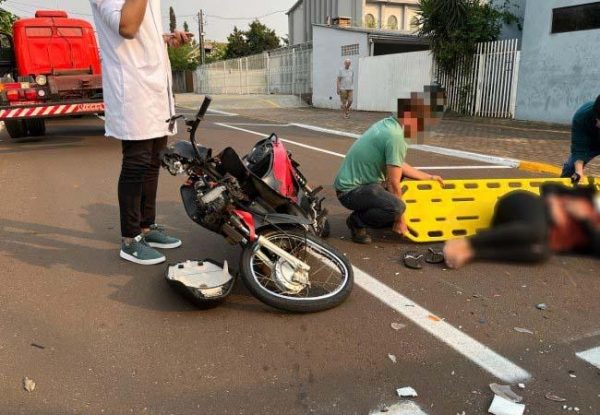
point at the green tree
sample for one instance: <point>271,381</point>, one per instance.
<point>186,27</point>
<point>257,39</point>
<point>6,20</point>
<point>454,27</point>
<point>218,53</point>
<point>172,20</point>
<point>237,46</point>
<point>185,58</point>
<point>260,38</point>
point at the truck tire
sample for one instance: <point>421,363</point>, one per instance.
<point>16,128</point>
<point>36,127</point>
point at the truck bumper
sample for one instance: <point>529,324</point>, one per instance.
<point>50,110</point>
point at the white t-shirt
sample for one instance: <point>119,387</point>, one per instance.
<point>346,79</point>
<point>136,74</point>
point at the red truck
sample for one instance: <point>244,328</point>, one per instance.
<point>49,67</point>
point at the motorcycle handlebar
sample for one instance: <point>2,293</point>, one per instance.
<point>204,107</point>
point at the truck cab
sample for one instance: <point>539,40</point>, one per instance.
<point>49,67</point>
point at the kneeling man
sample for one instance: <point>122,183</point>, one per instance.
<point>369,180</point>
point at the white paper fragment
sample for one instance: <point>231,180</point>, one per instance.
<point>505,392</point>
<point>407,392</point>
<point>524,331</point>
<point>501,406</point>
<point>393,358</point>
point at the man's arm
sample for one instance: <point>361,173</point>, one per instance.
<point>416,174</point>
<point>132,15</point>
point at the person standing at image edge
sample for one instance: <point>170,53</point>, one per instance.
<point>136,75</point>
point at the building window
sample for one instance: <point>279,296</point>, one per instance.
<point>370,21</point>
<point>392,23</point>
<point>351,50</point>
<point>576,18</point>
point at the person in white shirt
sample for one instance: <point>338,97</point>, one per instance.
<point>138,97</point>
<point>345,87</point>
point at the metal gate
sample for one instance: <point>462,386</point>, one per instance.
<point>488,88</point>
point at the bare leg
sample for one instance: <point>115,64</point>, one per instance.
<point>458,253</point>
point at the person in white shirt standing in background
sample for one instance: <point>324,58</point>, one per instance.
<point>345,87</point>
<point>138,98</point>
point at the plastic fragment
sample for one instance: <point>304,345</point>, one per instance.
<point>505,392</point>
<point>542,306</point>
<point>501,406</point>
<point>407,392</point>
<point>552,397</point>
<point>28,384</point>
<point>522,330</point>
<point>398,326</point>
<point>393,358</point>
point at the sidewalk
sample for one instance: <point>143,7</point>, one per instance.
<point>539,142</point>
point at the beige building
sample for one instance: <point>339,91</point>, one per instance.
<point>393,15</point>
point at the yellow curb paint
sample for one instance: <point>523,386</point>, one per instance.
<point>537,167</point>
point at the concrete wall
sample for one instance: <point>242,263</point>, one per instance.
<point>384,79</point>
<point>328,59</point>
<point>559,72</point>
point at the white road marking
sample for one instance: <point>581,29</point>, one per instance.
<point>320,150</point>
<point>476,352</point>
<point>502,161</point>
<point>225,113</point>
<point>251,124</point>
<point>591,356</point>
<point>470,348</point>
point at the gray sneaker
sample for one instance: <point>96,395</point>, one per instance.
<point>140,253</point>
<point>157,238</point>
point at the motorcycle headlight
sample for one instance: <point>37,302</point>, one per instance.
<point>41,80</point>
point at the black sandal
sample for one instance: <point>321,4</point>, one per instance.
<point>413,260</point>
<point>434,256</point>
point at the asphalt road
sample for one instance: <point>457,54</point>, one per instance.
<point>102,336</point>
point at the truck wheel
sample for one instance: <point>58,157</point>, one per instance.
<point>16,128</point>
<point>36,127</point>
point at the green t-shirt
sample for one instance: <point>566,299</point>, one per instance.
<point>381,145</point>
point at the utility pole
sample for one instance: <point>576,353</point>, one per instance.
<point>201,28</point>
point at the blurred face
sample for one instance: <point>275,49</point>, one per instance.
<point>347,63</point>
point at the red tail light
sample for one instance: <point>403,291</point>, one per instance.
<point>30,94</point>
<point>12,95</point>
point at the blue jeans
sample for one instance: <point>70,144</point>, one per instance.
<point>569,166</point>
<point>372,206</point>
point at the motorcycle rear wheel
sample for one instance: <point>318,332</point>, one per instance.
<point>331,276</point>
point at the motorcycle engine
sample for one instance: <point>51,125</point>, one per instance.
<point>211,206</point>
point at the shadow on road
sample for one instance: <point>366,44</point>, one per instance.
<point>75,253</point>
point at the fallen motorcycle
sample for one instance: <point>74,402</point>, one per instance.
<point>283,262</point>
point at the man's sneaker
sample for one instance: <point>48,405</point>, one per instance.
<point>359,234</point>
<point>140,253</point>
<point>157,238</point>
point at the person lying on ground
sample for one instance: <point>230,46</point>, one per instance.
<point>585,140</point>
<point>530,228</point>
<point>369,181</point>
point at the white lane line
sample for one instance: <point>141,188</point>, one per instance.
<point>502,161</point>
<point>470,348</point>
<point>251,124</point>
<point>481,355</point>
<point>320,150</point>
<point>591,356</point>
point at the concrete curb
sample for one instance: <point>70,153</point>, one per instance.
<point>536,167</point>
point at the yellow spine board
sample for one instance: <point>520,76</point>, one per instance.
<point>461,207</point>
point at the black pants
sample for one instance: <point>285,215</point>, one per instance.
<point>138,184</point>
<point>519,230</point>
<point>372,206</point>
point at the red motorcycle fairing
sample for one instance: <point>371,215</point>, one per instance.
<point>283,172</point>
<point>248,220</point>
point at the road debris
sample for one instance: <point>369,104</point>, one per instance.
<point>521,386</point>
<point>28,384</point>
<point>407,392</point>
<point>522,330</point>
<point>542,306</point>
<point>552,397</point>
<point>501,406</point>
<point>38,346</point>
<point>398,326</point>
<point>505,392</point>
<point>393,358</point>
<point>572,374</point>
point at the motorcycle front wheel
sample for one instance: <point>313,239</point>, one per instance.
<point>273,280</point>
